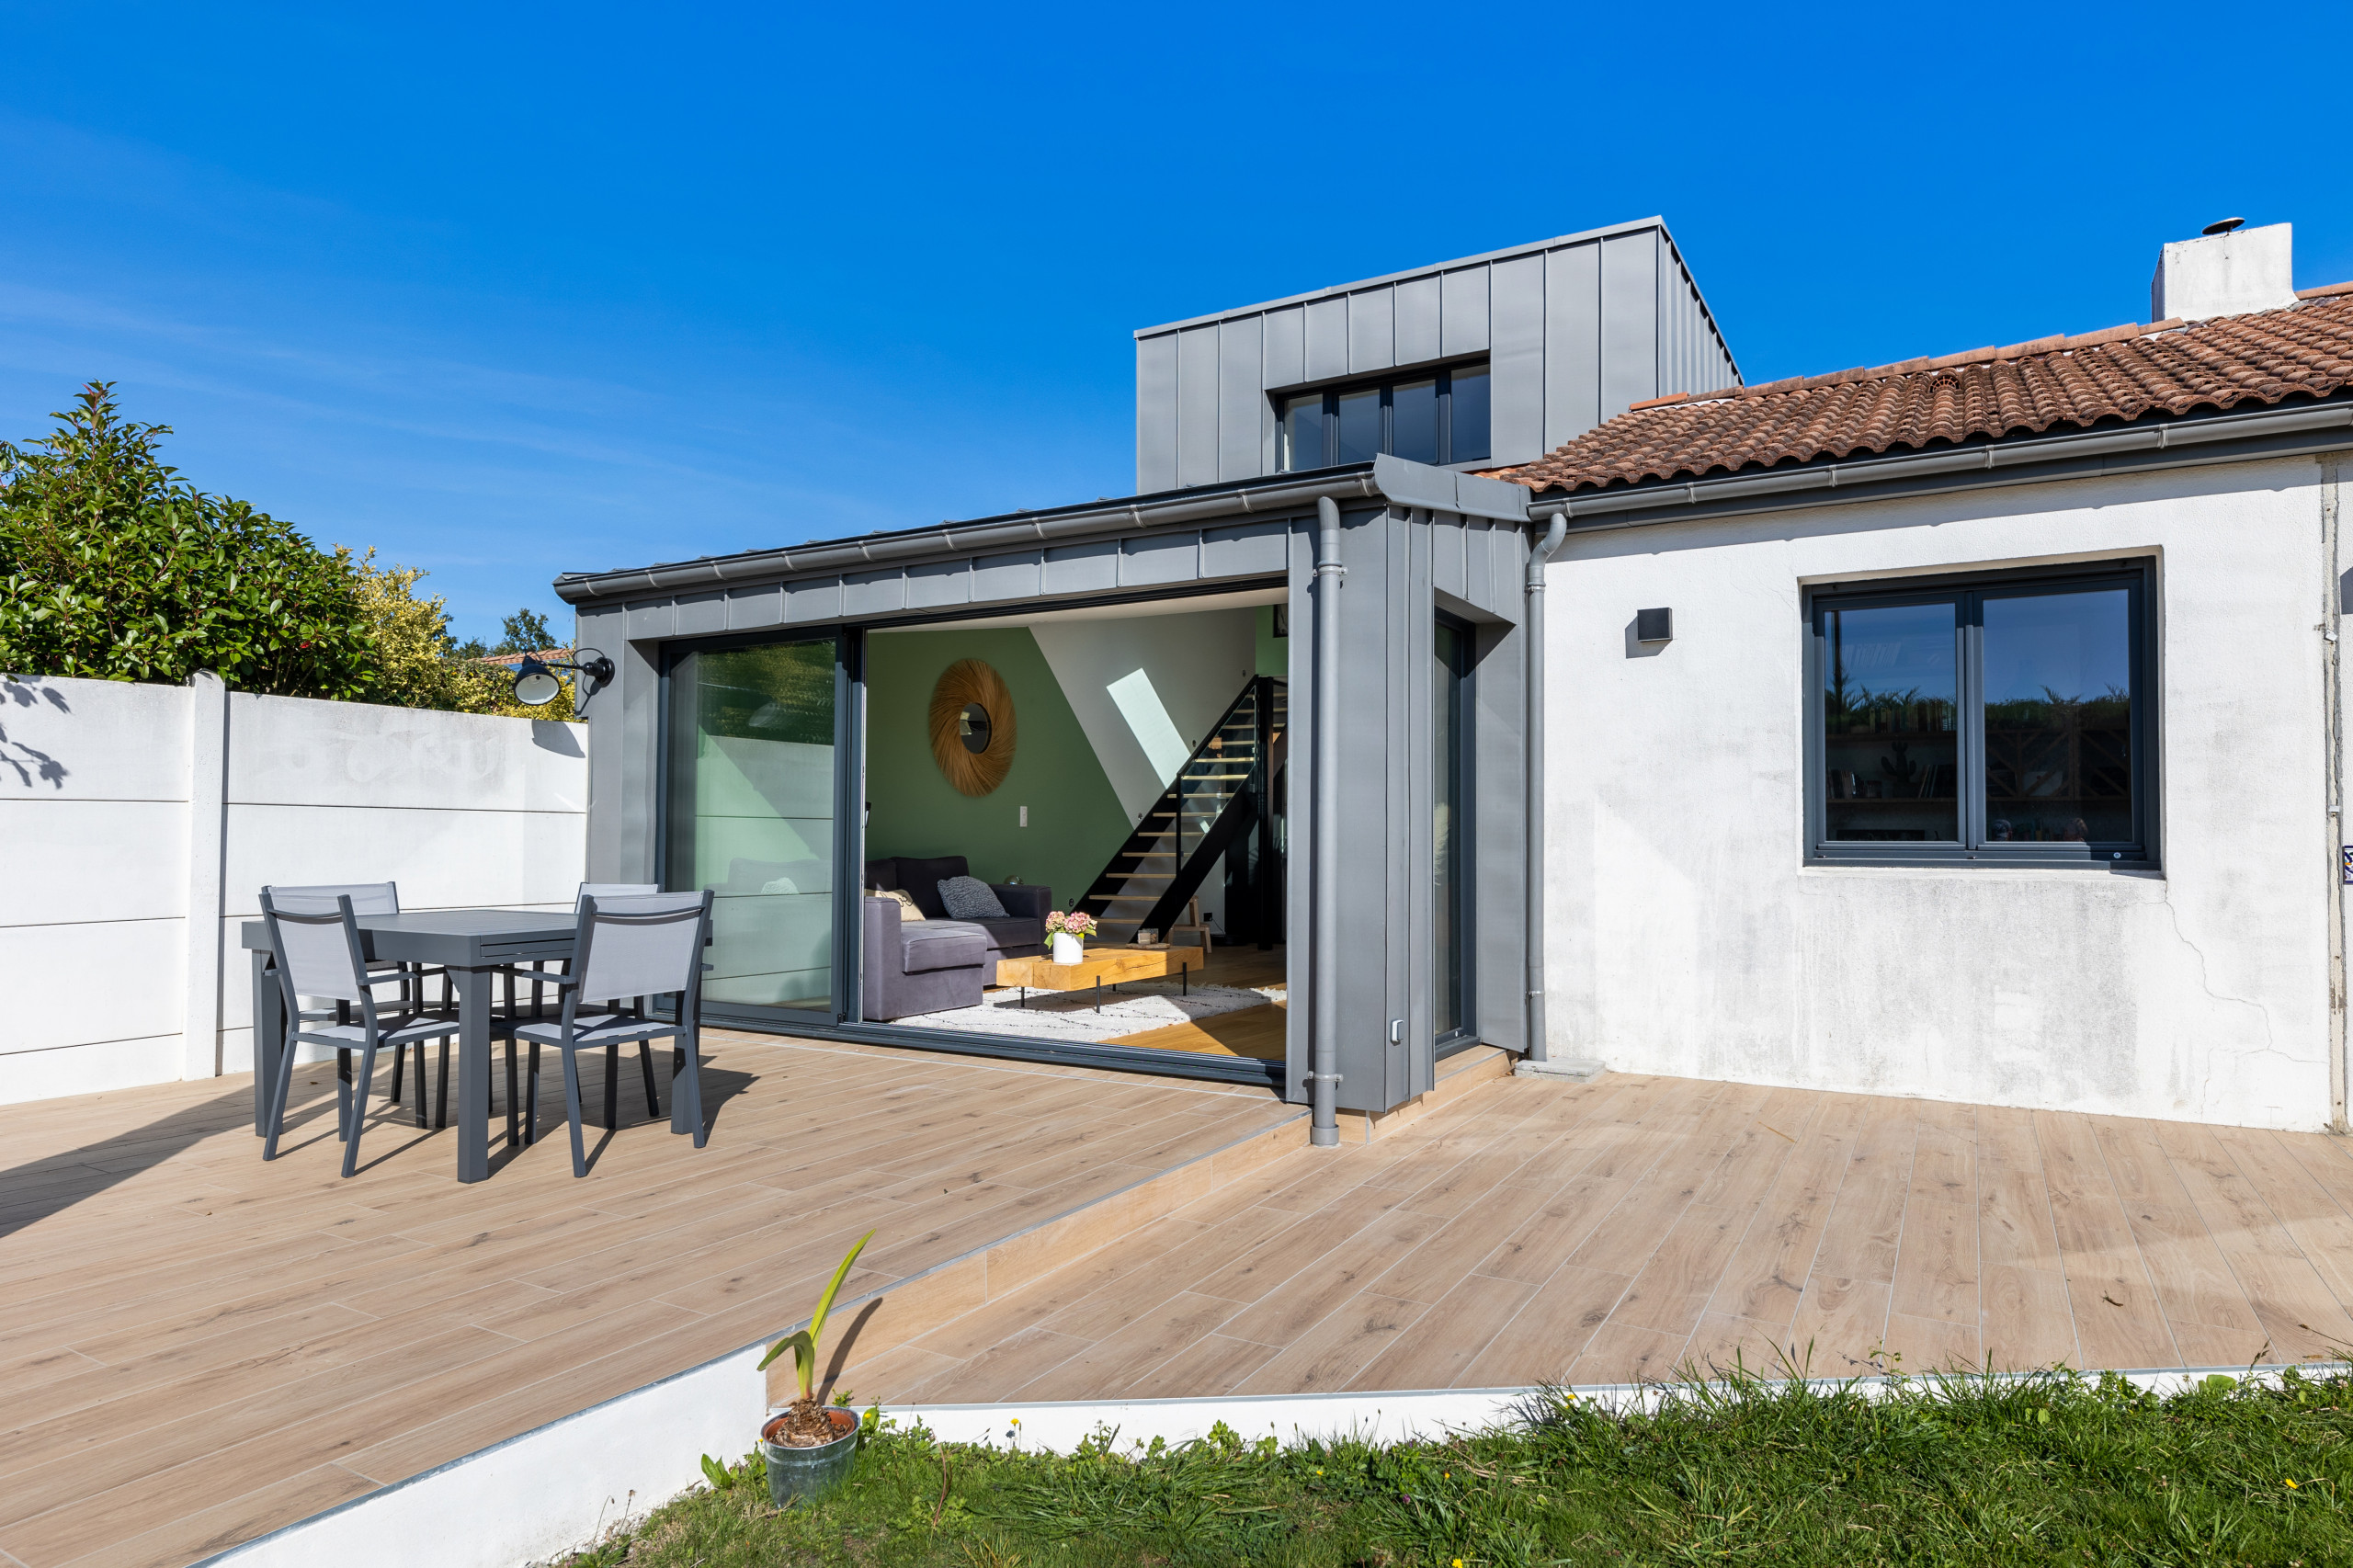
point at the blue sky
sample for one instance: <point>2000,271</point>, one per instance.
<point>508,291</point>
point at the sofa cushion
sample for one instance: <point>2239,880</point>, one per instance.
<point>941,944</point>
<point>1015,935</point>
<point>922,878</point>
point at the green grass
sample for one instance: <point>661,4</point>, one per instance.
<point>2050,1468</point>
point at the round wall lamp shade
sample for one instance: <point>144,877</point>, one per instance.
<point>971,727</point>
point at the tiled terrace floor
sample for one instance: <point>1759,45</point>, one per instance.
<point>196,1347</point>
<point>1534,1231</point>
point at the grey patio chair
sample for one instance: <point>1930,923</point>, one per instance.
<point>372,898</point>
<point>320,955</point>
<point>645,946</point>
<point>513,1014</point>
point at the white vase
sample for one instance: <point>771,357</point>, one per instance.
<point>1068,949</point>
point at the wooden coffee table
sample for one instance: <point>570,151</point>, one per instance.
<point>1108,966</point>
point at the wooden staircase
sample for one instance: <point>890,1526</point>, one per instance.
<point>1219,800</point>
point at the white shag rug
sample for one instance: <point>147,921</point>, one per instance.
<point>1137,1006</point>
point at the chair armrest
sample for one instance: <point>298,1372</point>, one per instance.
<point>1031,900</point>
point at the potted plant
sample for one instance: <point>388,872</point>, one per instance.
<point>1069,933</point>
<point>809,1447</point>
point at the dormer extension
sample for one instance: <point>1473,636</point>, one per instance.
<point>1483,362</point>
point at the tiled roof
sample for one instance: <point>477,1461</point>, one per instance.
<point>2052,384</point>
<point>513,659</point>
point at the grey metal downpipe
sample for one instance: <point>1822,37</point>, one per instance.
<point>1533,922</point>
<point>1324,1081</point>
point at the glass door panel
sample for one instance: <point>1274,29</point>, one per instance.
<point>1450,840</point>
<point>751,816</point>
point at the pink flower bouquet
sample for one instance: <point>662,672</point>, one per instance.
<point>1076,923</point>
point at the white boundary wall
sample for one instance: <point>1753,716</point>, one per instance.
<point>1687,936</point>
<point>122,808</point>
<point>567,1485</point>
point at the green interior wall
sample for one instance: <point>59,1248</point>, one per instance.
<point>1274,653</point>
<point>1076,819</point>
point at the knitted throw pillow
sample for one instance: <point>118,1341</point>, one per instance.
<point>969,898</point>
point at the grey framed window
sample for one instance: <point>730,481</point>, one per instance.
<point>1999,719</point>
<point>1433,417</point>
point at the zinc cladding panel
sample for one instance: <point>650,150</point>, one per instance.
<point>1628,320</point>
<point>1092,568</point>
<point>882,591</point>
<point>1240,400</point>
<point>762,605</point>
<point>699,615</point>
<point>1464,318</point>
<point>1413,630</point>
<point>650,618</point>
<point>1499,836</point>
<point>1245,550</point>
<point>1151,560</point>
<point>1327,338</point>
<point>1572,342</point>
<point>1197,388</point>
<point>1286,348</point>
<point>933,584</point>
<point>1450,568</point>
<point>1419,308</point>
<point>1155,414</point>
<point>817,598</point>
<point>1372,329</point>
<point>1516,358</point>
<point>1367,880</point>
<point>1019,575</point>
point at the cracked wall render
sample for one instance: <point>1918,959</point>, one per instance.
<point>1687,938</point>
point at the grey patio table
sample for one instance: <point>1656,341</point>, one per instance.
<point>471,944</point>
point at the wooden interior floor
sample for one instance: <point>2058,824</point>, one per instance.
<point>1534,1230</point>
<point>1255,1032</point>
<point>196,1348</point>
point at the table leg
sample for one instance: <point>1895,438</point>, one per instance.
<point>269,1039</point>
<point>1098,993</point>
<point>474,1074</point>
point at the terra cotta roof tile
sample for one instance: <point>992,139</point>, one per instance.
<point>2168,368</point>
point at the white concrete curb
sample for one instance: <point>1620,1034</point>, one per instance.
<point>564,1486</point>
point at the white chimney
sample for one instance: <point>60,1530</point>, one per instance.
<point>2225,274</point>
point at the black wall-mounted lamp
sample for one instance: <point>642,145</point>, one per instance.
<point>1654,626</point>
<point>536,684</point>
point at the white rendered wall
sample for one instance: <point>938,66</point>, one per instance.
<point>1687,938</point>
<point>104,850</point>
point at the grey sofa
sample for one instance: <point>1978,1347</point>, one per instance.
<point>936,965</point>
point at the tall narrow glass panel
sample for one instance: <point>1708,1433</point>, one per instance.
<point>1303,433</point>
<point>751,816</point>
<point>1413,421</point>
<point>1359,425</point>
<point>1890,693</point>
<point>2059,717</point>
<point>1466,420</point>
<point>1450,837</point>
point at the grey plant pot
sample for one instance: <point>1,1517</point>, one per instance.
<point>809,1472</point>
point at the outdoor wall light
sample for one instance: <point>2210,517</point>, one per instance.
<point>536,684</point>
<point>1654,626</point>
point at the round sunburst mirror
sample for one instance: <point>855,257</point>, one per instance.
<point>971,727</point>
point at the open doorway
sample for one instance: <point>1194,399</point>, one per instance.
<point>1125,764</point>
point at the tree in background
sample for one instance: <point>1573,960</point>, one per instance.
<point>113,568</point>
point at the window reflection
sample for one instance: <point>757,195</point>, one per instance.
<point>1467,418</point>
<point>1360,426</point>
<point>2059,718</point>
<point>1413,421</point>
<point>1889,697</point>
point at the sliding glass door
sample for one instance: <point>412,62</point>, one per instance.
<point>751,803</point>
<point>1451,830</point>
